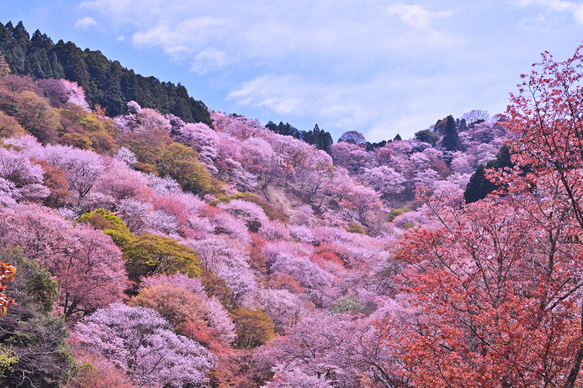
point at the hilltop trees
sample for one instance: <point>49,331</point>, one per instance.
<point>106,83</point>
<point>317,137</point>
<point>448,128</point>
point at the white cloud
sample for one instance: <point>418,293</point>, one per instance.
<point>207,59</point>
<point>380,107</point>
<point>376,66</point>
<point>415,15</point>
<point>557,6</point>
<point>85,23</point>
<point>281,94</point>
<point>189,40</point>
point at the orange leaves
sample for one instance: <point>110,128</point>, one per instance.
<point>488,297</point>
<point>7,272</point>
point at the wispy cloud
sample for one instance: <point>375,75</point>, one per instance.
<point>416,15</point>
<point>575,9</point>
<point>85,23</point>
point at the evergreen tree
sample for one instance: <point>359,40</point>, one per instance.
<point>450,140</point>
<point>32,338</point>
<point>479,186</point>
<point>317,137</point>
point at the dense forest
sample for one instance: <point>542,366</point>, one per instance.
<point>319,138</point>
<point>139,248</point>
<point>106,83</point>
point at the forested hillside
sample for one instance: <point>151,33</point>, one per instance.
<point>142,249</point>
<point>106,83</point>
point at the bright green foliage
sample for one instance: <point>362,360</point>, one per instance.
<point>147,146</point>
<point>217,287</point>
<point>254,327</point>
<point>394,213</point>
<point>7,359</point>
<point>427,136</point>
<point>110,224</point>
<point>349,304</point>
<point>150,254</point>
<point>9,127</point>
<point>86,131</point>
<point>181,164</point>
<point>32,283</point>
<point>36,116</point>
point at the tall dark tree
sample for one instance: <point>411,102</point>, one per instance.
<point>448,128</point>
<point>479,186</point>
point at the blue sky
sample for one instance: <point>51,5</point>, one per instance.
<point>380,67</point>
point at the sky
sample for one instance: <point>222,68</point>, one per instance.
<point>379,67</point>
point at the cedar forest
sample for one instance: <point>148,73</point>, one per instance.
<point>148,241</point>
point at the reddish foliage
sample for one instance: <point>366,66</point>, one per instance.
<point>285,282</point>
<point>491,298</point>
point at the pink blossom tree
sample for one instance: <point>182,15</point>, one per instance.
<point>384,179</point>
<point>313,279</point>
<point>138,341</point>
<point>82,168</point>
<point>86,263</point>
<point>21,178</point>
<point>250,213</point>
<point>121,182</point>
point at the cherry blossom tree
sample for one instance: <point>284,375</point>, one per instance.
<point>97,371</point>
<point>121,182</point>
<point>353,137</point>
<point>475,115</point>
<point>204,140</point>
<point>75,94</point>
<point>312,278</point>
<point>125,155</point>
<point>227,259</point>
<point>253,216</point>
<point>93,275</point>
<point>384,180</point>
<point>21,178</point>
<point>85,262</point>
<point>82,168</point>
<point>179,298</point>
<point>330,351</point>
<point>350,156</point>
<point>138,341</point>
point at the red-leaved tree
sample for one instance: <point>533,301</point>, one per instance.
<point>493,289</point>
